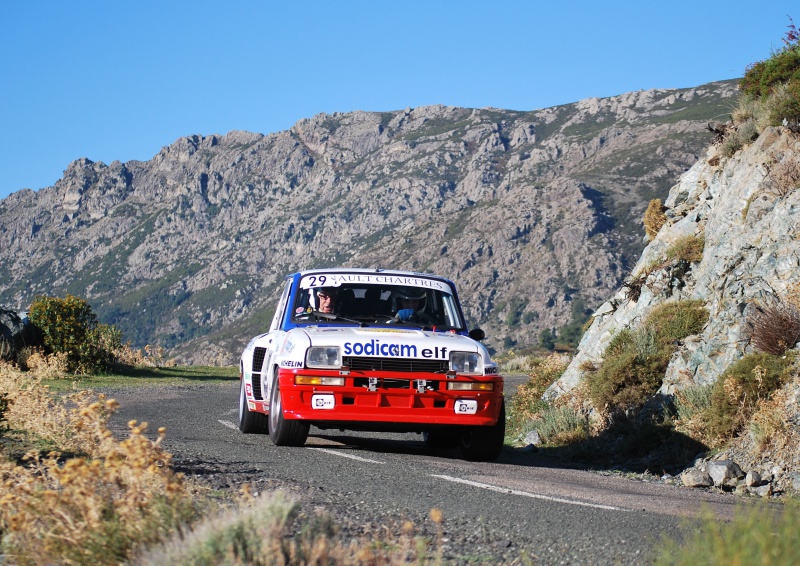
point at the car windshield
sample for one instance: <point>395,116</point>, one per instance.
<point>377,299</point>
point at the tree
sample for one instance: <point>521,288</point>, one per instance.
<point>70,326</point>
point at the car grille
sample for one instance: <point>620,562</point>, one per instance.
<point>258,358</point>
<point>396,364</point>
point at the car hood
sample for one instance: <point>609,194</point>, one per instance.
<point>405,342</point>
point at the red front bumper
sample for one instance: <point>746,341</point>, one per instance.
<point>394,398</point>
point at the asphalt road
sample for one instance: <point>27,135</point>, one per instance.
<point>519,509</point>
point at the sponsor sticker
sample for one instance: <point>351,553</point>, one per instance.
<point>336,279</point>
<point>377,347</point>
<point>466,406</point>
<point>323,402</point>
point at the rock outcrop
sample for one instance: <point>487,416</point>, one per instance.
<point>751,257</point>
<point>749,217</point>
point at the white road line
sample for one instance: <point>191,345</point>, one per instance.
<point>229,424</point>
<point>345,455</point>
<point>527,494</point>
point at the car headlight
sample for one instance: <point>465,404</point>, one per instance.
<point>324,357</point>
<point>466,363</point>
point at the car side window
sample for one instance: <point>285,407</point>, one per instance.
<point>280,312</point>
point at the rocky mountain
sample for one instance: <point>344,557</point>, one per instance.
<point>536,215</point>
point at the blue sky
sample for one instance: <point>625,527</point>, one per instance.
<point>119,80</point>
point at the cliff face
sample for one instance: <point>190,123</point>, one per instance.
<point>751,226</point>
<point>535,215</point>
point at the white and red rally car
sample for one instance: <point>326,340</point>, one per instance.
<point>377,350</point>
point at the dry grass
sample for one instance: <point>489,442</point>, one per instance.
<point>270,530</point>
<point>147,357</point>
<point>771,427</point>
<point>654,218</point>
<point>47,366</point>
<point>526,404</point>
<point>783,172</point>
<point>774,328</point>
<point>98,506</point>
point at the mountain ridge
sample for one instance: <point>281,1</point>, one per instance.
<point>535,215</point>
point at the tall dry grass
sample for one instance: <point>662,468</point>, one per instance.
<point>98,505</point>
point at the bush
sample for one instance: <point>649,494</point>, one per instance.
<point>757,535</point>
<point>70,327</point>
<point>562,425</point>
<point>635,361</point>
<point>737,392</point>
<point>527,403</point>
<point>783,172</point>
<point>654,218</point>
<point>783,66</point>
<point>97,508</point>
<point>783,106</point>
<point>687,248</point>
<point>774,328</point>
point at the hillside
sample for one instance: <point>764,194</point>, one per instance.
<point>536,215</point>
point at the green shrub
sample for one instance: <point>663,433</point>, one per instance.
<point>69,326</point>
<point>562,424</point>
<point>738,390</point>
<point>526,404</point>
<point>783,66</point>
<point>676,320</point>
<point>693,401</point>
<point>635,361</point>
<point>775,82</point>
<point>757,535</point>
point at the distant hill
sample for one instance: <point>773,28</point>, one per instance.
<point>536,215</point>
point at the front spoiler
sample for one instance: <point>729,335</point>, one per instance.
<point>392,404</point>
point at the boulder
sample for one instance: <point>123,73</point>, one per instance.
<point>724,473</point>
<point>696,478</point>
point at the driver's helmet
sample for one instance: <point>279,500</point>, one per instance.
<point>331,292</point>
<point>410,293</point>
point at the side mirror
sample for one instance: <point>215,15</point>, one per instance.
<point>477,334</point>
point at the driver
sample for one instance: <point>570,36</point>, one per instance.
<point>326,299</point>
<point>410,304</point>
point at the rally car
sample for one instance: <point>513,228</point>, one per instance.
<point>376,350</point>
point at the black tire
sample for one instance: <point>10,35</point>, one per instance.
<point>284,432</point>
<point>484,443</point>
<point>440,439</point>
<point>250,422</point>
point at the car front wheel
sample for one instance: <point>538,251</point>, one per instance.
<point>284,432</point>
<point>250,422</point>
<point>483,443</point>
